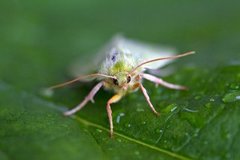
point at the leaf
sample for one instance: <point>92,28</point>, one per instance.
<point>38,130</point>
<point>40,40</point>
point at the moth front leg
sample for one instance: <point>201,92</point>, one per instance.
<point>144,91</point>
<point>114,99</point>
<point>157,80</point>
<point>88,98</point>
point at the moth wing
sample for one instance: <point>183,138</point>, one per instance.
<point>140,50</point>
<point>83,66</point>
<point>145,51</point>
<point>91,63</point>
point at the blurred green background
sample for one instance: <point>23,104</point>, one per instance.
<point>40,39</point>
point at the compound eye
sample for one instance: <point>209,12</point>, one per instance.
<point>128,79</point>
<point>115,81</point>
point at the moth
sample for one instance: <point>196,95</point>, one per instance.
<point>122,66</point>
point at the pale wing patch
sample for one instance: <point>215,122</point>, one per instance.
<point>146,51</point>
<point>91,63</point>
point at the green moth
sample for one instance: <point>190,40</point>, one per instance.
<point>122,69</point>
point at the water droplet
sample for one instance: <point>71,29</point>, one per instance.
<point>119,117</point>
<point>196,132</point>
<point>190,110</point>
<point>143,122</point>
<point>159,130</point>
<point>173,109</point>
<point>211,99</point>
<point>140,110</point>
<point>231,97</point>
<point>170,108</point>
<point>128,125</point>
<point>122,114</point>
<point>47,92</point>
<point>234,86</point>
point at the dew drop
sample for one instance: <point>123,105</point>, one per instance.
<point>170,108</point>
<point>158,130</point>
<point>119,117</point>
<point>234,86</point>
<point>190,110</point>
<point>211,99</point>
<point>173,109</point>
<point>128,125</point>
<point>196,132</point>
<point>143,122</point>
<point>231,97</point>
<point>47,93</point>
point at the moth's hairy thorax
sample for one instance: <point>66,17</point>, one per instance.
<point>119,63</point>
<point>118,60</point>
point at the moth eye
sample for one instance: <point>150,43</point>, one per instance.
<point>115,81</point>
<point>128,79</point>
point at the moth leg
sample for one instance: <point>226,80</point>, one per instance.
<point>157,81</point>
<point>88,98</point>
<point>114,99</point>
<point>144,91</point>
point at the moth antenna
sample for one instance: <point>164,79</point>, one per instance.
<point>163,58</point>
<point>79,78</point>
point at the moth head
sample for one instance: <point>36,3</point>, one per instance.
<point>122,79</point>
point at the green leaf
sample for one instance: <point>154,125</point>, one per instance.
<point>39,40</point>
